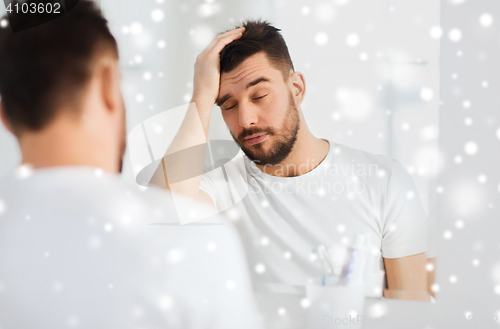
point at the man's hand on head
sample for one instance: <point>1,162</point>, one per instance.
<point>207,69</point>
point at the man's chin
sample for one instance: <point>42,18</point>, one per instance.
<point>259,158</point>
<point>256,152</point>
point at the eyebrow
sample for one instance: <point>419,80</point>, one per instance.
<point>225,98</point>
<point>256,81</point>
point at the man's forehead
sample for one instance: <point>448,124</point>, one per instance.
<point>257,64</point>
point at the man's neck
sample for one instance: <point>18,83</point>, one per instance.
<point>307,153</point>
<point>65,144</point>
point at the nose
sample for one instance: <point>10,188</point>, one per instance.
<point>247,113</point>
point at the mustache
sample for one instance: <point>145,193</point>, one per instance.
<point>252,131</point>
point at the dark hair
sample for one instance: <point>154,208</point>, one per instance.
<point>47,66</point>
<point>259,36</point>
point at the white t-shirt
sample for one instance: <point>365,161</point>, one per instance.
<point>281,219</point>
<point>78,249</point>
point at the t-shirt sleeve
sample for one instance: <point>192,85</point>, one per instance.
<point>214,184</point>
<point>431,238</point>
<point>207,185</point>
<point>405,221</point>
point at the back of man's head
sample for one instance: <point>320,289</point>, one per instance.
<point>259,36</point>
<point>46,68</point>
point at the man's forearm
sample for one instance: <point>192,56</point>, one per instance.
<point>407,277</point>
<point>182,165</point>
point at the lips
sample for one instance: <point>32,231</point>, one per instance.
<point>255,139</point>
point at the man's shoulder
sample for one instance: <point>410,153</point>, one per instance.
<point>75,185</point>
<point>373,170</point>
<point>104,195</point>
<point>350,155</point>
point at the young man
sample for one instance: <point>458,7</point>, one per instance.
<point>297,191</point>
<point>76,249</point>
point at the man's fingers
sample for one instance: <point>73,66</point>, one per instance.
<point>235,31</point>
<point>223,36</point>
<point>221,43</point>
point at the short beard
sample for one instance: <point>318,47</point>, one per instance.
<point>283,145</point>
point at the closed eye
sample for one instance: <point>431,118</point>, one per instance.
<point>260,97</point>
<point>256,98</point>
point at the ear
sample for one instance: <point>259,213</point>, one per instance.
<point>110,85</point>
<point>298,84</point>
<point>4,120</point>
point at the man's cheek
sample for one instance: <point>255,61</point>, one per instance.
<point>233,128</point>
